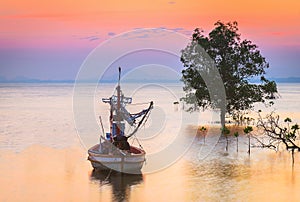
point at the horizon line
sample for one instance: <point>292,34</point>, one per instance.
<point>30,80</point>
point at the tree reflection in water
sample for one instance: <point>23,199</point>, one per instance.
<point>119,182</point>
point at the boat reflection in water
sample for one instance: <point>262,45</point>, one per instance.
<point>120,182</point>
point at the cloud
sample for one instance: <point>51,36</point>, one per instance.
<point>94,38</point>
<point>180,30</point>
<point>143,36</point>
<point>90,38</point>
<point>171,2</point>
<point>147,33</point>
<point>177,29</point>
<point>141,33</point>
<point>136,36</point>
<point>111,34</point>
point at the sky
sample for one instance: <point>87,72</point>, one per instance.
<point>49,40</point>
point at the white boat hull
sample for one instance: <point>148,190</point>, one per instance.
<point>127,163</point>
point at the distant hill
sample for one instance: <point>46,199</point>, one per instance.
<point>286,80</point>
<point>280,80</point>
<point>31,80</point>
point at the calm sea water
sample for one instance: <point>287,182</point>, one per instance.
<point>43,159</point>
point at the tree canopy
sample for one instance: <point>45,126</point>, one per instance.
<point>238,61</point>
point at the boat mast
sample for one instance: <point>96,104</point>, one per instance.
<point>118,129</point>
<point>118,113</point>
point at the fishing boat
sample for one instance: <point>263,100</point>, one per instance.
<point>113,152</point>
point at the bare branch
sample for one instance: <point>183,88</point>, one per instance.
<point>276,133</point>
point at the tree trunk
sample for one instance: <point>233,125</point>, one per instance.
<point>226,143</point>
<point>222,116</point>
<point>293,158</point>
<point>237,144</point>
<point>249,144</point>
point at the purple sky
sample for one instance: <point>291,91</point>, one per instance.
<point>64,63</point>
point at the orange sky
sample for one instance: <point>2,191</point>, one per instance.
<point>29,20</point>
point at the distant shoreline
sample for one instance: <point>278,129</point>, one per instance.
<point>277,80</point>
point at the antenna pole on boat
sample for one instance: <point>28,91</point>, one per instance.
<point>119,76</point>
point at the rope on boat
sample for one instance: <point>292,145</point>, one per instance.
<point>108,175</point>
<point>140,103</point>
<point>147,116</point>
<point>137,140</point>
<point>133,139</point>
<point>141,121</point>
